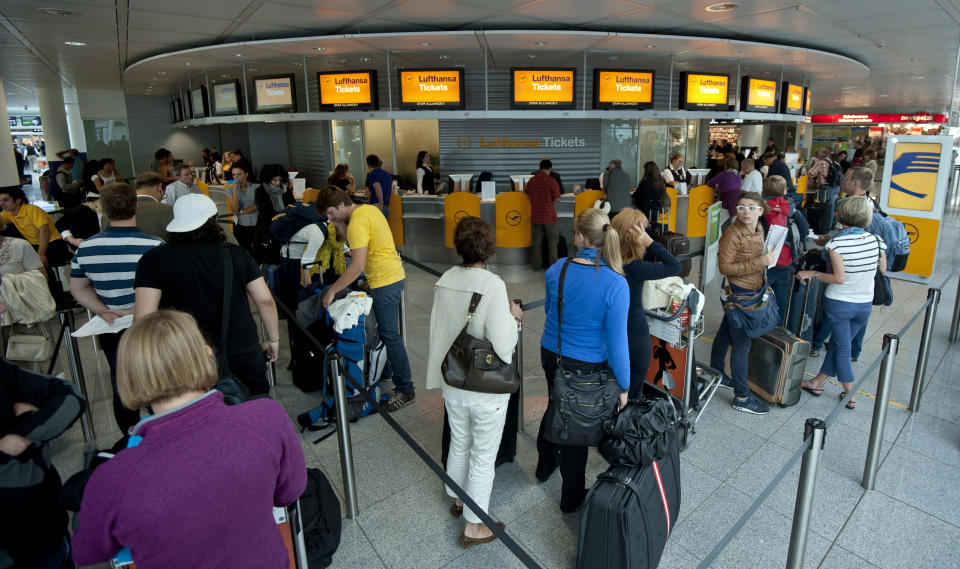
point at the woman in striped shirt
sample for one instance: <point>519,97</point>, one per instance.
<point>855,256</point>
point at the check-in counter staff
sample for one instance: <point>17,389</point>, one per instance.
<point>426,177</point>
<point>676,173</point>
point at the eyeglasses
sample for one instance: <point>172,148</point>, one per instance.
<point>746,208</point>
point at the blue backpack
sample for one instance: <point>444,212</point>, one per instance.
<point>894,234</point>
<point>293,219</point>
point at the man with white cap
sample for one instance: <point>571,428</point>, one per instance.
<point>188,274</point>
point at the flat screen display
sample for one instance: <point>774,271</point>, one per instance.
<point>12,120</point>
<point>431,88</point>
<point>274,94</point>
<point>704,91</point>
<point>791,99</point>
<point>226,98</point>
<point>758,95</point>
<point>349,90</point>
<point>29,120</point>
<point>543,88</point>
<point>199,107</point>
<point>621,88</point>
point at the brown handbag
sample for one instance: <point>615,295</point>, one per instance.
<point>472,365</point>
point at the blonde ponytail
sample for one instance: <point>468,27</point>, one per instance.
<point>595,226</point>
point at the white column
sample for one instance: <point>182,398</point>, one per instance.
<point>8,164</point>
<point>53,119</point>
<point>74,122</point>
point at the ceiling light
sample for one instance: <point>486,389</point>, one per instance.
<point>320,49</point>
<point>189,64</point>
<point>682,62</point>
<point>722,7</point>
<point>238,54</point>
<point>163,73</point>
<point>55,12</point>
<point>444,58</point>
<point>531,56</point>
<point>75,43</point>
<point>739,52</point>
<point>343,61</point>
<point>225,76</point>
<point>883,95</point>
<point>424,44</point>
<point>252,69</point>
<point>365,60</point>
<point>650,45</point>
<point>920,77</point>
<point>297,64</point>
<point>614,57</point>
<point>540,43</point>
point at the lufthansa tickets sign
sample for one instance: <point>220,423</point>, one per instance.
<point>791,99</point>
<point>702,91</point>
<point>432,88</point>
<point>539,88</point>
<point>616,89</point>
<point>758,95</point>
<point>355,90</point>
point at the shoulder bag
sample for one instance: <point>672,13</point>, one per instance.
<point>755,312</point>
<point>882,293</point>
<point>26,347</point>
<point>580,403</point>
<point>657,294</point>
<point>233,391</point>
<point>472,365</point>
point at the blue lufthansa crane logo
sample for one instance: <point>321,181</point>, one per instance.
<point>913,162</point>
<point>513,218</point>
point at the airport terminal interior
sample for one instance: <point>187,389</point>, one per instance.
<point>484,109</point>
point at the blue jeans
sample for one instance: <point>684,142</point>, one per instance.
<point>846,319</point>
<point>823,334</point>
<point>727,335</point>
<point>386,306</point>
<point>781,280</point>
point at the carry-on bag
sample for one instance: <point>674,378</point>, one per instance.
<point>508,440</point>
<point>676,243</point>
<point>777,363</point>
<point>818,219</point>
<point>629,513</point>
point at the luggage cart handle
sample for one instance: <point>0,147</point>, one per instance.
<point>670,317</point>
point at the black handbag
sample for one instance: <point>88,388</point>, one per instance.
<point>472,365</point>
<point>580,403</point>
<point>233,391</point>
<point>642,432</point>
<point>882,295</point>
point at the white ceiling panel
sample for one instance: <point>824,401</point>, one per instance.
<point>891,9</point>
<point>438,13</point>
<point>164,21</point>
<point>220,9</point>
<point>321,19</point>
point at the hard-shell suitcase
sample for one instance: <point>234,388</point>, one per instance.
<point>628,515</point>
<point>777,363</point>
<point>818,219</point>
<point>676,243</point>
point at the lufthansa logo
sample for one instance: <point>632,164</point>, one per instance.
<point>702,210</point>
<point>464,142</point>
<point>459,215</point>
<point>912,232</point>
<point>513,218</point>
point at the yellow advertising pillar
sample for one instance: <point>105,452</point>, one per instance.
<point>698,203</point>
<point>585,200</point>
<point>513,220</point>
<point>396,219</point>
<point>456,206</point>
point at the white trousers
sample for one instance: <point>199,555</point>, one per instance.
<point>476,427</point>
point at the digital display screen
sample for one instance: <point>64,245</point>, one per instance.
<point>12,120</point>
<point>704,91</point>
<point>356,90</point>
<point>198,102</point>
<point>226,98</point>
<point>274,94</point>
<point>616,89</point>
<point>29,121</point>
<point>421,88</point>
<point>543,88</point>
<point>758,95</point>
<point>791,99</point>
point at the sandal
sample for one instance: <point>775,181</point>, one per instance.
<point>456,510</point>
<point>815,391</point>
<point>850,404</point>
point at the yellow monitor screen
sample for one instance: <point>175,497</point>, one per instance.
<point>618,88</point>
<point>791,99</point>
<point>431,88</point>
<point>760,95</point>
<point>348,90</point>
<point>704,91</point>
<point>533,88</point>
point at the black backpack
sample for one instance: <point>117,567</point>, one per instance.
<point>834,175</point>
<point>321,518</point>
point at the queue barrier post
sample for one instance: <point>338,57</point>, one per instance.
<point>816,430</point>
<point>343,435</point>
<point>890,343</point>
<point>933,296</point>
<point>955,323</point>
<point>76,374</point>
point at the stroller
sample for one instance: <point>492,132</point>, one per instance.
<point>357,353</point>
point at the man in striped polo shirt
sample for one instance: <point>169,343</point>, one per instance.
<point>101,276</point>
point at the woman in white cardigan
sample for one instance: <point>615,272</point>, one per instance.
<point>476,419</point>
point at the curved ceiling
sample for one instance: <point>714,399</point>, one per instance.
<point>910,48</point>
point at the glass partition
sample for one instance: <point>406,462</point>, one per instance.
<point>377,139</point>
<point>412,137</point>
<point>619,139</point>
<point>654,140</point>
<point>348,147</point>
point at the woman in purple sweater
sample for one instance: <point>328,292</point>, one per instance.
<point>199,488</point>
<point>727,185</point>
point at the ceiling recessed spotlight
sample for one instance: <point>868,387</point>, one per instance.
<point>444,58</point>
<point>189,64</point>
<point>908,101</point>
<point>225,76</point>
<point>920,77</point>
<point>425,44</point>
<point>55,12</point>
<point>650,45</point>
<point>540,43</point>
<point>75,43</point>
<point>365,60</point>
<point>739,52</point>
<point>531,56</point>
<point>238,54</point>
<point>320,49</point>
<point>722,7</point>
<point>343,61</point>
<point>883,95</point>
<point>252,69</point>
<point>614,57</point>
<point>297,64</point>
<point>163,73</point>
<point>682,62</point>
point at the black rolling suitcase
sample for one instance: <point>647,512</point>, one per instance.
<point>628,515</point>
<point>817,218</point>
<point>676,243</point>
<point>508,441</point>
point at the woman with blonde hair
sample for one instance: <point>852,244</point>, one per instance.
<point>631,226</point>
<point>593,336</point>
<point>172,497</point>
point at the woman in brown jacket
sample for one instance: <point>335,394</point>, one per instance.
<point>744,263</point>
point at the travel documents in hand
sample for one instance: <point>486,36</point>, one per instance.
<point>776,237</point>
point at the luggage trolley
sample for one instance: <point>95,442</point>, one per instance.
<point>673,346</point>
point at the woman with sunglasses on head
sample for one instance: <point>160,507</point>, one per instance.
<point>743,261</point>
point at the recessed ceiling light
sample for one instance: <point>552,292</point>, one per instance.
<point>55,12</point>
<point>614,57</point>
<point>343,61</point>
<point>739,52</point>
<point>253,69</point>
<point>297,64</point>
<point>444,58</point>
<point>682,62</point>
<point>883,95</point>
<point>650,45</point>
<point>189,64</point>
<point>531,56</point>
<point>424,44</point>
<point>909,101</point>
<point>238,54</point>
<point>163,73</point>
<point>320,49</point>
<point>225,76</point>
<point>540,43</point>
<point>75,43</point>
<point>722,7</point>
<point>920,77</point>
<point>365,60</point>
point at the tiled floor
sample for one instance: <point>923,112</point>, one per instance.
<point>912,519</point>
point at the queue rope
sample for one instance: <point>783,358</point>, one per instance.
<point>508,541</point>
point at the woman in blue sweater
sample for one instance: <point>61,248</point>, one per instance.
<point>594,335</point>
<point>631,226</point>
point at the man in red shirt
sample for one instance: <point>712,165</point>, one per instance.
<point>543,192</point>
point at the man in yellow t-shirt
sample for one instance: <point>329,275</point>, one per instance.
<point>33,224</point>
<point>373,252</point>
